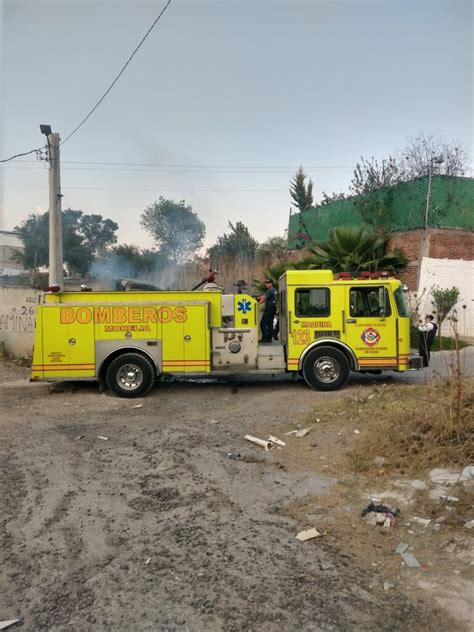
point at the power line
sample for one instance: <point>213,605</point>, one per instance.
<point>26,153</point>
<point>149,167</point>
<point>118,76</point>
<point>154,190</point>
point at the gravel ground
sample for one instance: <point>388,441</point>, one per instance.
<point>157,528</point>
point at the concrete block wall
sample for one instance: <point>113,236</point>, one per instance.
<point>445,274</point>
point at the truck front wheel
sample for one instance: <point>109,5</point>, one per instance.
<point>326,369</point>
<point>130,375</point>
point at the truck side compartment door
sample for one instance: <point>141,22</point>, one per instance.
<point>68,342</point>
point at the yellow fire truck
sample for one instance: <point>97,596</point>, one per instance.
<point>329,325</point>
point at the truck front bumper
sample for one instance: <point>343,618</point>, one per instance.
<point>415,363</point>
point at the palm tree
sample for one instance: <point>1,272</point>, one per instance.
<point>353,250</point>
<point>274,272</point>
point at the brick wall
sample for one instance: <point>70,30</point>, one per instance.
<point>442,243</point>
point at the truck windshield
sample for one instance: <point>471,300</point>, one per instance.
<point>401,302</point>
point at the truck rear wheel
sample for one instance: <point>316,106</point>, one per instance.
<point>130,375</point>
<point>326,369</point>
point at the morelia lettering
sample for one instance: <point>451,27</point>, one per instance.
<point>118,315</point>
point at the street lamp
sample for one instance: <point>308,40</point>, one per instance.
<point>438,160</point>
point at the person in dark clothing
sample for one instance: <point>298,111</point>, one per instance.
<point>427,334</point>
<point>269,300</point>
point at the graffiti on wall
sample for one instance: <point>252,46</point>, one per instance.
<point>20,318</point>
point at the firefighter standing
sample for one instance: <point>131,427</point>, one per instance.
<point>269,310</point>
<point>210,278</point>
<point>428,331</point>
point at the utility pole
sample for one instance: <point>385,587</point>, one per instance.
<point>55,210</point>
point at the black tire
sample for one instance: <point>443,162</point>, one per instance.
<point>326,369</point>
<point>130,375</point>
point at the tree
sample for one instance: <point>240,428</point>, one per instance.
<point>421,149</point>
<point>273,249</point>
<point>354,250</point>
<point>85,238</point>
<point>274,272</point>
<point>333,197</point>
<point>128,260</point>
<point>175,227</point>
<point>370,175</point>
<point>443,301</point>
<point>301,193</point>
<point>238,245</point>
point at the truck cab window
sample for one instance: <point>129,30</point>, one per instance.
<point>313,302</point>
<point>369,302</point>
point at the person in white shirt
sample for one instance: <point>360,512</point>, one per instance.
<point>428,331</point>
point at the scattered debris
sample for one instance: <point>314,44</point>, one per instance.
<point>261,442</point>
<point>371,396</point>
<point>214,421</point>
<point>8,622</point>
<point>379,460</point>
<point>318,420</point>
<point>276,440</point>
<point>377,513</point>
<point>235,456</point>
<point>299,434</point>
<point>424,522</point>
<point>387,586</point>
<point>452,499</point>
<point>401,548</point>
<point>356,431</point>
<point>410,560</point>
<point>137,406</point>
<point>148,560</point>
<point>103,438</point>
<point>469,524</point>
<point>76,439</point>
<point>441,519</point>
<point>467,473</point>
<point>308,534</point>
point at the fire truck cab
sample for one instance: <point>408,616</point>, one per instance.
<point>329,325</point>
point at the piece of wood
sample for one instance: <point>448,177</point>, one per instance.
<point>308,534</point>
<point>261,442</point>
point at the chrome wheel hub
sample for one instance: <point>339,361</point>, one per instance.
<point>130,377</point>
<point>326,369</point>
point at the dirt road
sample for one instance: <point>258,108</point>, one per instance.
<point>154,526</point>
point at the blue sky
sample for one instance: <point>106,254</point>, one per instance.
<point>227,97</point>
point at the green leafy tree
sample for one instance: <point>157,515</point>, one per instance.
<point>238,245</point>
<point>353,250</point>
<point>85,238</point>
<point>301,193</point>
<point>175,227</point>
<point>444,301</point>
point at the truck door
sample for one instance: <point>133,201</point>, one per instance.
<point>371,326</point>
<point>314,313</point>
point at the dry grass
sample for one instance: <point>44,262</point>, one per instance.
<point>419,427</point>
<point>229,273</point>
